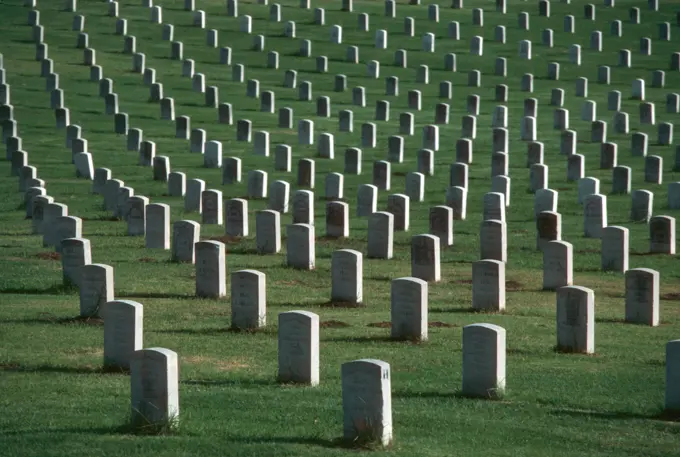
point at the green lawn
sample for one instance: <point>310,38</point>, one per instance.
<point>57,401</point>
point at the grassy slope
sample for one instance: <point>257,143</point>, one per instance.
<point>56,401</point>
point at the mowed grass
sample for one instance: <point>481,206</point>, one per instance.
<point>56,400</point>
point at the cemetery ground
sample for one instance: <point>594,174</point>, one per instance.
<point>57,400</point>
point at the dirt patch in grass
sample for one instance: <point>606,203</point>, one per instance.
<point>564,188</point>
<point>439,324</point>
<point>434,324</point>
<point>380,324</point>
<point>463,281</point>
<point>101,218</point>
<point>226,239</point>
<point>513,286</point>
<point>331,238</point>
<point>671,296</point>
<point>77,320</point>
<point>86,351</point>
<point>48,256</point>
<point>251,331</point>
<point>147,260</point>
<point>333,324</point>
<point>221,364</point>
<point>561,350</point>
<point>342,304</point>
<point>293,282</point>
<point>399,173</point>
<point>589,251</point>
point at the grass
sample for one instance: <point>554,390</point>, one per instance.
<point>56,398</point>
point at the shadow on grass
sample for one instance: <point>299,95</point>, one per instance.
<point>193,331</point>
<point>155,295</point>
<point>463,311</point>
<point>381,278</point>
<point>308,440</point>
<point>245,383</point>
<point>84,430</point>
<point>235,249</point>
<point>572,351</point>
<point>48,318</point>
<point>124,429</point>
<point>672,296</point>
<point>669,416</point>
<point>216,331</point>
<point>55,289</point>
<point>610,320</point>
<point>87,369</point>
<point>647,253</point>
<point>365,339</point>
<point>337,304</point>
<point>457,394</point>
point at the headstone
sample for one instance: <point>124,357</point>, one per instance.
<point>639,144</point>
<point>575,55</point>
<point>665,134</point>
<point>154,377</point>
<point>298,347</point>
<point>367,400</point>
<point>558,264</point>
<point>641,206</point>
<point>268,231</point>
<point>493,240</point>
<point>608,156</point>
<point>210,269</point>
<point>621,180</point>
<point>337,219</point>
<point>38,205</point>
<point>595,215</point>
<point>75,253</point>
<point>96,289</point>
<point>621,123</point>
<point>123,333</point>
<point>300,247</point>
<point>484,360</point>
<point>84,165</point>
<point>625,58</point>
<point>575,319</point>
<point>642,296</point>
<point>614,252</point>
<point>248,300</point>
<point>425,258</point>
<point>211,204</point>
<point>662,235</point>
<point>347,276</point>
<point>334,186</point>
<point>135,214</point>
<point>236,217</point>
<point>244,129</point>
<point>408,309</point>
<point>525,49</point>
<point>654,169</point>
<point>477,46</point>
